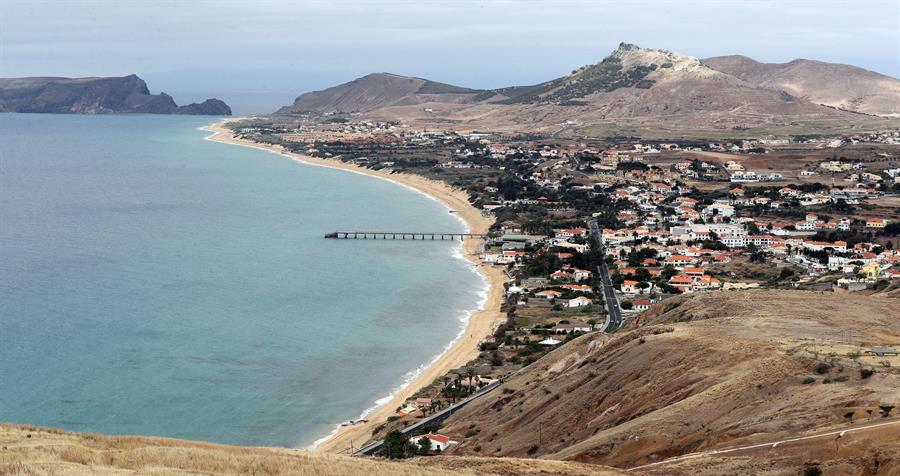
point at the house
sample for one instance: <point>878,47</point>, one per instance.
<point>580,288</point>
<point>580,301</point>
<point>562,275</point>
<point>548,294</point>
<point>642,304</point>
<point>630,287</point>
<point>572,327</point>
<point>438,442</point>
<point>870,270</point>
<point>682,282</point>
<point>571,233</point>
<point>581,274</point>
<point>876,223</point>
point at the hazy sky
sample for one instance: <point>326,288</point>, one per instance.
<point>287,47</point>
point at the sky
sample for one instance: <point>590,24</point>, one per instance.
<point>265,51</point>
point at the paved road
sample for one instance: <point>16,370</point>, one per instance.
<point>373,448</point>
<point>614,317</point>
<point>770,444</point>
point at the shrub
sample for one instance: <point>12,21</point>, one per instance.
<point>812,471</point>
<point>822,368</point>
<point>866,373</point>
<point>532,449</point>
<point>808,380</point>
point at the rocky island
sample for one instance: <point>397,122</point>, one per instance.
<point>114,95</point>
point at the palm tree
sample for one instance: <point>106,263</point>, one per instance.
<point>470,372</point>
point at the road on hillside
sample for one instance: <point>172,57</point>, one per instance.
<point>373,448</point>
<point>609,293</point>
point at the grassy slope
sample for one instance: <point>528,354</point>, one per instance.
<point>699,372</point>
<point>28,450</point>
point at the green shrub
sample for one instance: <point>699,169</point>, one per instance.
<point>808,380</point>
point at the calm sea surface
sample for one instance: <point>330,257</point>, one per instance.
<point>153,282</point>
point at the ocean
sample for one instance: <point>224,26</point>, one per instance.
<point>156,283</point>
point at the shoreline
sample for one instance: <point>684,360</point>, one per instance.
<point>480,322</point>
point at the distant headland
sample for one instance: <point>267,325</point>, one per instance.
<point>113,95</point>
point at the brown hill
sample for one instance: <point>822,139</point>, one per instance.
<point>653,87</point>
<point>837,85</point>
<point>40,451</point>
<point>633,86</point>
<point>697,373</point>
<point>375,91</point>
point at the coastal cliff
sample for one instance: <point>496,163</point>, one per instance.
<point>116,95</point>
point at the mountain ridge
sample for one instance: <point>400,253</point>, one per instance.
<point>837,85</point>
<point>632,85</point>
<point>95,95</point>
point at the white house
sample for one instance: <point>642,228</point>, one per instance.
<point>438,442</point>
<point>580,301</point>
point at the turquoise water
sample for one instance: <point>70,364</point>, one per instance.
<point>153,282</point>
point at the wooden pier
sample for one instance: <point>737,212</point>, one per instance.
<point>401,235</point>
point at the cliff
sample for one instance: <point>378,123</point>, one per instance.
<point>119,95</point>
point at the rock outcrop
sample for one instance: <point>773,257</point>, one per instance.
<point>116,95</point>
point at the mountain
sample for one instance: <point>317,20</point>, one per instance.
<point>837,85</point>
<point>128,94</point>
<point>633,87</point>
<point>702,372</point>
<point>655,87</point>
<point>375,91</point>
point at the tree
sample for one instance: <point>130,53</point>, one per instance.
<point>849,416</point>
<point>424,445</point>
<point>885,410</point>
<point>592,322</point>
<point>470,373</point>
<point>398,446</point>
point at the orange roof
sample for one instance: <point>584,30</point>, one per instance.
<point>629,282</point>
<point>680,279</point>
<point>438,438</point>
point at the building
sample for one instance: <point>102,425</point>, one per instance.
<point>580,301</point>
<point>642,304</point>
<point>438,442</point>
<point>877,223</point>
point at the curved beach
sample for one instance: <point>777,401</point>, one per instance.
<point>480,324</point>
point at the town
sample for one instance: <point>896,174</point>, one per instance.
<point>671,218</point>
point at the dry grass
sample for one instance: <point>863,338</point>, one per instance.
<point>52,452</point>
<point>31,451</point>
<point>694,373</point>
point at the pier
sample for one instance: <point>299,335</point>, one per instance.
<point>401,235</point>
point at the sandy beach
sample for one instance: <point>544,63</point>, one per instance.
<point>481,323</point>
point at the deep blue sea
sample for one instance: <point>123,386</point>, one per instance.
<point>153,282</point>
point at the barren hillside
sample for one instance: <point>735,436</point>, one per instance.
<point>632,87</point>
<point>838,85</point>
<point>375,91</point>
<point>28,450</point>
<point>695,373</point>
